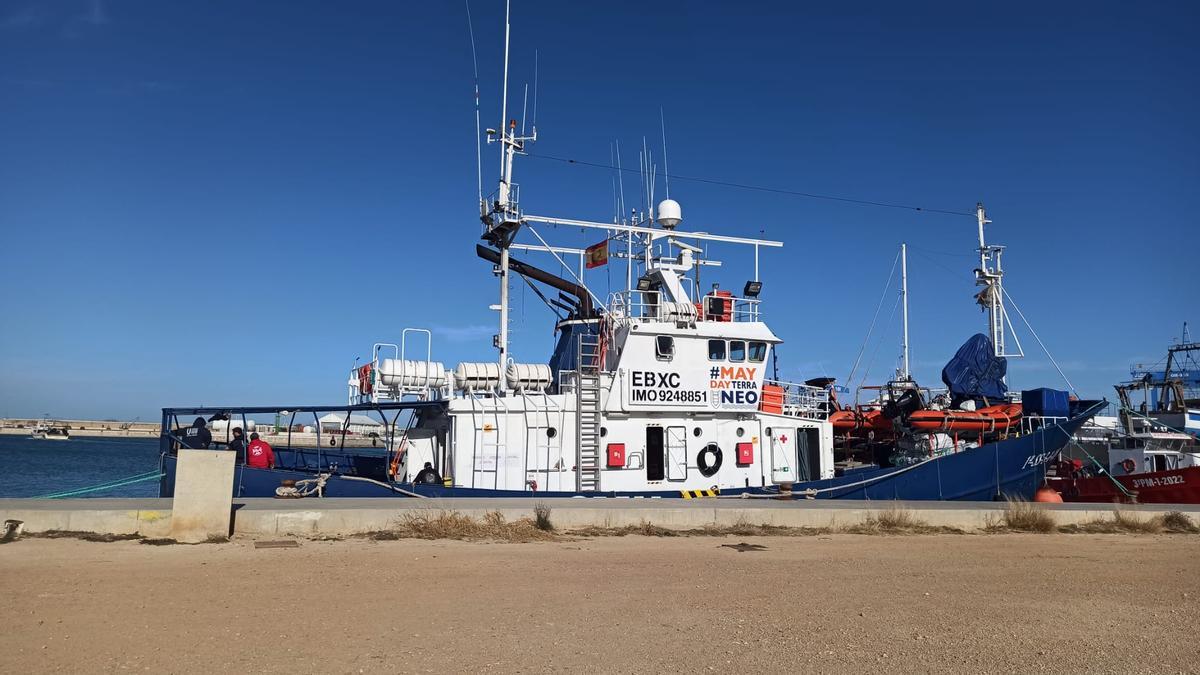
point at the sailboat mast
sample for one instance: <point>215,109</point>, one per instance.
<point>904,299</point>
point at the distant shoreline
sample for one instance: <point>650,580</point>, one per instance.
<point>24,426</point>
<point>103,429</point>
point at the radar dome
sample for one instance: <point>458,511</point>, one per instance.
<point>669,214</point>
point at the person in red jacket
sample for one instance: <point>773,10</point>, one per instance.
<point>259,453</point>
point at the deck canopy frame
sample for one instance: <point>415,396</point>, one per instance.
<point>171,418</point>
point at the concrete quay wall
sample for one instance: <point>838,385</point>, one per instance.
<point>341,517</point>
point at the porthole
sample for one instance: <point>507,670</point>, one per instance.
<point>740,431</point>
<point>603,432</point>
<point>551,432</point>
<point>767,431</point>
<point>696,432</point>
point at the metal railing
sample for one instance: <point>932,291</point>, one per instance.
<point>1032,423</point>
<point>648,306</point>
<point>803,400</point>
<point>491,203</point>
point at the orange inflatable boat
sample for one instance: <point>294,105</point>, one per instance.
<point>850,420</point>
<point>991,418</point>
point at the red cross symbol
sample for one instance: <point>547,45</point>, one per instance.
<point>783,438</point>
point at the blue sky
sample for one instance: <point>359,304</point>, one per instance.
<point>226,202</point>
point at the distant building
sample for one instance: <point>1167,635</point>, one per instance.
<point>357,424</point>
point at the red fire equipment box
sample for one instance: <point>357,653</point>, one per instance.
<point>616,455</point>
<point>745,454</point>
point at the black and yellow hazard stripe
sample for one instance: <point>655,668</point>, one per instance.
<point>698,494</point>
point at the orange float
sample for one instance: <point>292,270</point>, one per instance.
<point>1047,495</point>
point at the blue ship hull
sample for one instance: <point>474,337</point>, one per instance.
<point>1012,468</point>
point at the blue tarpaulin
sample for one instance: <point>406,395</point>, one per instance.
<point>976,372</point>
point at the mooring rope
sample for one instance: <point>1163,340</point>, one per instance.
<point>140,478</point>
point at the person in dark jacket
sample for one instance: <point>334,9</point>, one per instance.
<point>238,444</point>
<point>428,475</point>
<point>197,436</point>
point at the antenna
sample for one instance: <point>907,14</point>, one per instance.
<point>666,170</point>
<point>504,94</point>
<point>535,88</point>
<point>524,108</point>
<point>478,150</point>
<point>620,178</point>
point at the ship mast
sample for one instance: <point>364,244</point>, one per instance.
<point>905,373</point>
<point>990,275</point>
<point>502,218</point>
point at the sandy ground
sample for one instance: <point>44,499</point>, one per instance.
<point>937,603</point>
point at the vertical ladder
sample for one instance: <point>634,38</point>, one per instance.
<point>587,414</point>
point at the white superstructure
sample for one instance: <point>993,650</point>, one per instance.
<point>660,387</point>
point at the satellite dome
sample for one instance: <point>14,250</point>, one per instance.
<point>669,214</point>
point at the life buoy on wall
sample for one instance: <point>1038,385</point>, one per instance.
<point>1128,466</point>
<point>709,460</point>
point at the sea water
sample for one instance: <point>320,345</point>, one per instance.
<point>31,467</point>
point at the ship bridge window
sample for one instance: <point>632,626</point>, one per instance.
<point>758,351</point>
<point>664,347</point>
<point>716,350</point>
<point>737,350</point>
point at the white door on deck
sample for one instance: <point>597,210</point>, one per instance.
<point>783,444</point>
<point>676,453</point>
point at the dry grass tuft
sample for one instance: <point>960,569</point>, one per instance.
<point>743,528</point>
<point>541,517</point>
<point>83,536</point>
<point>896,521</point>
<point>454,525</point>
<point>1175,521</point>
<point>1120,523</point>
<point>1128,522</point>
<point>645,528</point>
<point>1022,516</point>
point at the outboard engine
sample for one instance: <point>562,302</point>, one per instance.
<point>908,403</point>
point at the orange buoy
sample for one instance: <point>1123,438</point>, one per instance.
<point>1047,495</point>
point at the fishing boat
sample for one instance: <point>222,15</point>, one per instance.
<point>663,389</point>
<point>1137,459</point>
<point>1169,396</point>
<point>46,431</point>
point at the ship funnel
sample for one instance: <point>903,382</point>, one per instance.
<point>669,214</point>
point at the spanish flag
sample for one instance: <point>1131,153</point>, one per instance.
<point>597,254</point>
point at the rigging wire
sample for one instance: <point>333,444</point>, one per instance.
<point>1007,294</point>
<point>1039,340</point>
<point>761,188</point>
<point>867,370</point>
<point>878,307</point>
<point>475,63</point>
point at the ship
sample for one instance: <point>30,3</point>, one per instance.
<point>664,389</point>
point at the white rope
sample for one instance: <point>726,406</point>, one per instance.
<point>1039,340</point>
<point>304,488</point>
<point>393,488</point>
<point>813,492</point>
